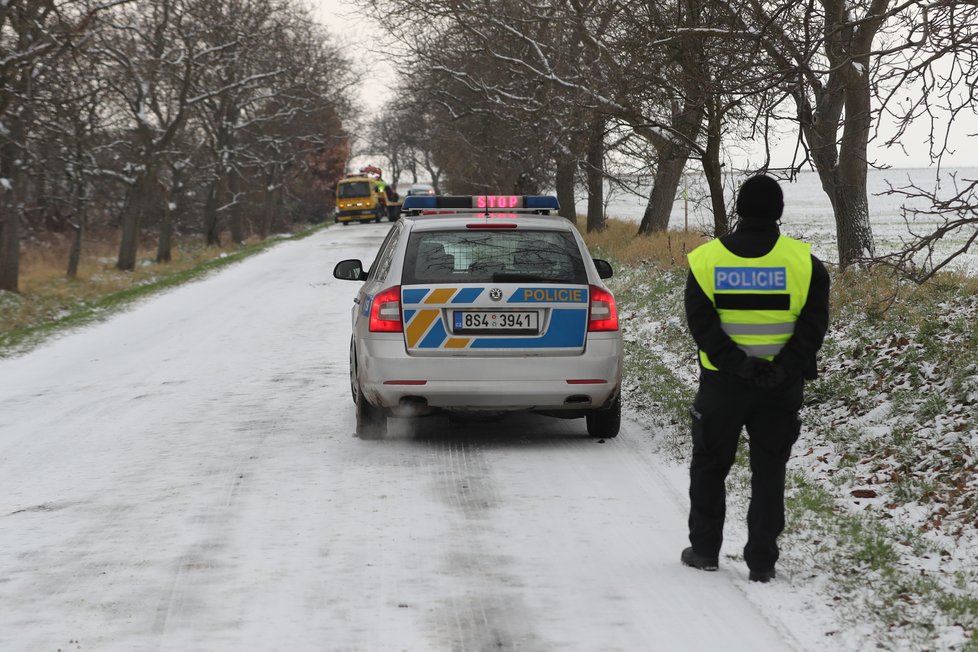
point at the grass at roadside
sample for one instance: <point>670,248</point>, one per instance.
<point>883,489</point>
<point>48,303</point>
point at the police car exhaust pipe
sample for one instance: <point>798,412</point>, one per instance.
<point>577,399</point>
<point>412,406</point>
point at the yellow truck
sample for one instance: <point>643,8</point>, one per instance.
<point>360,198</point>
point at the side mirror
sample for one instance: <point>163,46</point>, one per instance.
<point>604,268</point>
<point>350,270</point>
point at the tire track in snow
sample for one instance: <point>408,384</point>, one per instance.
<point>489,613</point>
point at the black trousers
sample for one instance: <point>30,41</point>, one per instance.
<point>724,405</point>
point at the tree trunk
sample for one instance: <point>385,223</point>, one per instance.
<point>663,195</point>
<point>846,188</point>
<point>565,177</point>
<point>433,172</point>
<point>9,213</point>
<point>672,154</point>
<point>849,194</point>
<point>74,254</point>
<point>9,243</point>
<point>130,225</point>
<point>395,170</point>
<point>212,233</point>
<point>843,178</point>
<point>78,201</point>
<point>235,224</point>
<point>844,101</point>
<point>164,247</point>
<point>139,200</point>
<point>713,171</point>
<point>265,224</point>
<point>594,171</point>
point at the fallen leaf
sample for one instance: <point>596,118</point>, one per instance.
<point>863,493</point>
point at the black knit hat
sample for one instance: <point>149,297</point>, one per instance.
<point>760,198</point>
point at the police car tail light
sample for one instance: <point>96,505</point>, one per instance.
<point>603,314</point>
<point>385,311</point>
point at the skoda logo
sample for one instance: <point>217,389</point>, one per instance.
<point>495,294</point>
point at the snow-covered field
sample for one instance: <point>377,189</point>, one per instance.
<point>184,477</point>
<point>807,213</point>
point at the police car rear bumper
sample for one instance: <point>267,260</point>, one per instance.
<point>391,379</point>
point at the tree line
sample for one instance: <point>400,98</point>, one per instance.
<point>166,117</point>
<point>518,95</point>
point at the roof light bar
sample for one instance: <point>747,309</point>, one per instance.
<point>476,203</point>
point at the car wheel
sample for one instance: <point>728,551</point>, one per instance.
<point>605,422</point>
<point>371,420</point>
<point>353,372</point>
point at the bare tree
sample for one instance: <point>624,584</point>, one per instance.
<point>847,66</point>
<point>468,75</point>
<point>238,33</point>
<point>607,57</point>
<point>295,136</point>
<point>953,213</point>
<point>34,34</point>
<point>389,134</point>
<point>67,141</point>
<point>160,99</point>
<point>152,54</point>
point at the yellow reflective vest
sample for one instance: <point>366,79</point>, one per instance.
<point>758,299</point>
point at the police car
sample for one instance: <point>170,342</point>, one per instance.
<point>484,304</point>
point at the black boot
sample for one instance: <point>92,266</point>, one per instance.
<point>762,576</point>
<point>690,558</point>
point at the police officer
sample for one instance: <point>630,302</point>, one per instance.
<point>757,307</point>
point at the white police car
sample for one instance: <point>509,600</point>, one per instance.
<point>484,304</point>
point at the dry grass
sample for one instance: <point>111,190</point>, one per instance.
<point>877,293</point>
<point>46,294</point>
<point>622,242</point>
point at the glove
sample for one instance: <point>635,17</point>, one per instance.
<point>747,368</point>
<point>768,375</point>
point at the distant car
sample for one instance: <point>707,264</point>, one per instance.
<point>419,189</point>
<point>484,305</point>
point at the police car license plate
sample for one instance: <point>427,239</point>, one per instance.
<point>496,321</point>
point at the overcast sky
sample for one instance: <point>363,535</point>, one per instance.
<point>354,31</point>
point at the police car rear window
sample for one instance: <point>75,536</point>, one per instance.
<point>489,256</point>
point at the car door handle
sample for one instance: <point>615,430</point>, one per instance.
<point>356,299</point>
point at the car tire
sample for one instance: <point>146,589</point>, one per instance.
<point>354,390</point>
<point>605,422</point>
<point>371,420</point>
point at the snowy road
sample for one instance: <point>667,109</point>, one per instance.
<point>184,477</point>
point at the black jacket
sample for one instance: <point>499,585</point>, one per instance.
<point>753,240</point>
